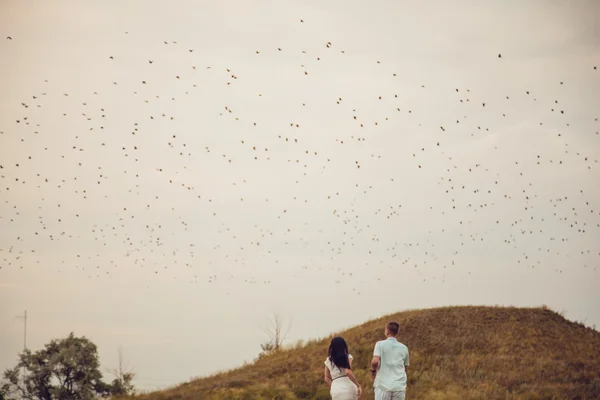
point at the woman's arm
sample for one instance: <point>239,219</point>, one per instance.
<point>327,376</point>
<point>353,379</point>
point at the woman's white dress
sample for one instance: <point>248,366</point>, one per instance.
<point>342,387</point>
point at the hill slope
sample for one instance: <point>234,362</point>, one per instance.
<point>456,353</point>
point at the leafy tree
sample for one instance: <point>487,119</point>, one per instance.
<point>64,369</point>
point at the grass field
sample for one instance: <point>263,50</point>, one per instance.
<point>455,353</point>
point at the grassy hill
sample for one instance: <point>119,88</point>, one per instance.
<point>456,353</point>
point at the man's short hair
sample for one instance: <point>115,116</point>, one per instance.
<point>393,328</point>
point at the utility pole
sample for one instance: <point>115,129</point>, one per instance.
<point>24,318</point>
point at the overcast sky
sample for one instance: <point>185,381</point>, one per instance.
<point>331,161</point>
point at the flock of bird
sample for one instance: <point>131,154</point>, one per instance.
<point>191,171</point>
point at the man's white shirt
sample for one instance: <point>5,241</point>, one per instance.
<point>391,375</point>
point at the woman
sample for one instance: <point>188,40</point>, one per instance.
<point>338,372</point>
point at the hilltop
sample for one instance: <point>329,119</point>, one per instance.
<point>456,353</point>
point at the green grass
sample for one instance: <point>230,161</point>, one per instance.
<point>455,353</point>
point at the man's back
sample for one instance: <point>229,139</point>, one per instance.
<point>391,375</point>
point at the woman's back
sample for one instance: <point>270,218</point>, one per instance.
<point>335,371</point>
<point>338,372</point>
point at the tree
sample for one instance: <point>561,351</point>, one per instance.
<point>276,333</point>
<point>64,369</point>
<point>123,382</point>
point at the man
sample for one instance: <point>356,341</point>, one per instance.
<point>389,366</point>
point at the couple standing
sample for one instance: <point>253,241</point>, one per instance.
<point>388,368</point>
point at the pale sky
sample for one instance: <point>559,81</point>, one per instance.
<point>172,217</point>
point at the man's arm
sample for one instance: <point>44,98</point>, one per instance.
<point>375,365</point>
<point>376,361</point>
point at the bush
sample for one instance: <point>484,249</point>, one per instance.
<point>303,393</point>
<point>322,394</point>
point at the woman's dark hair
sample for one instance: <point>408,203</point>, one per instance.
<point>338,353</point>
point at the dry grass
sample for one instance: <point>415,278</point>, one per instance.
<point>456,353</point>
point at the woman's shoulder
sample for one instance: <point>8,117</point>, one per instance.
<point>350,356</point>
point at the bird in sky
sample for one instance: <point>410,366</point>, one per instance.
<point>322,176</point>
